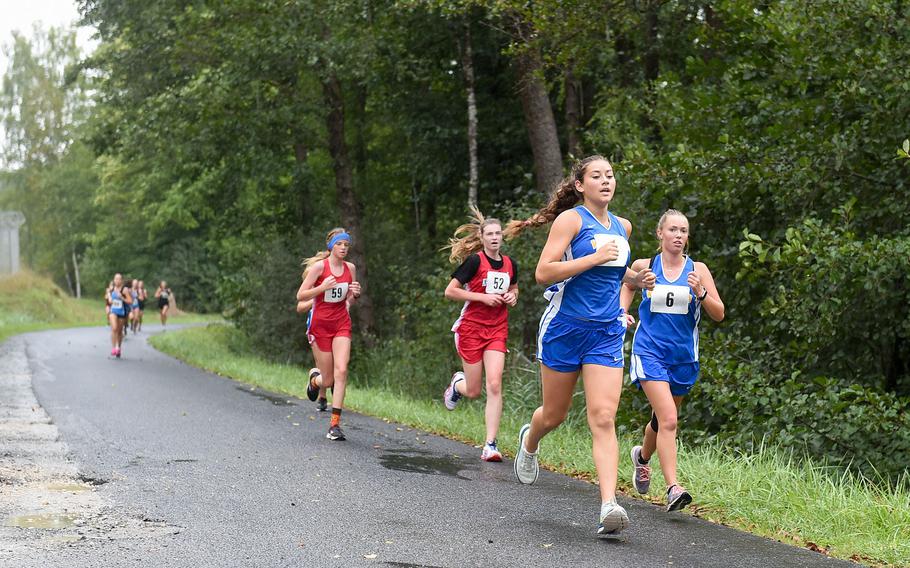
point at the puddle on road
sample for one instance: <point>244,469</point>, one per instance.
<point>42,521</point>
<point>67,538</point>
<point>409,565</point>
<point>273,398</point>
<point>69,487</point>
<point>414,461</point>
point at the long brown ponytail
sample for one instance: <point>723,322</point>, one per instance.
<point>323,254</point>
<point>563,198</point>
<point>467,238</point>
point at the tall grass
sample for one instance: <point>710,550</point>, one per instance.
<point>768,492</point>
<point>29,302</point>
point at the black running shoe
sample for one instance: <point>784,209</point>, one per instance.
<point>312,391</point>
<point>322,404</point>
<point>335,434</point>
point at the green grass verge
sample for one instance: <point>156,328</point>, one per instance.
<point>766,493</point>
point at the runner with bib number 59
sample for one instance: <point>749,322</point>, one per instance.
<point>665,347</point>
<point>331,283</point>
<point>486,281</point>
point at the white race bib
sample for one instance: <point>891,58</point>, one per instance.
<point>497,282</point>
<point>600,239</point>
<point>667,299</point>
<point>336,293</point>
<point>116,304</point>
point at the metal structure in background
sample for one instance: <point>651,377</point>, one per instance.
<point>10,221</point>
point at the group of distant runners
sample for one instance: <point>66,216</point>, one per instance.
<point>587,265</point>
<point>124,307</point>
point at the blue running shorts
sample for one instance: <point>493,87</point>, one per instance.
<point>681,377</point>
<point>565,343</point>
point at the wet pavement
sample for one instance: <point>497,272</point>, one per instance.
<point>186,468</point>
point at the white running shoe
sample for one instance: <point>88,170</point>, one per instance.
<point>451,395</point>
<point>491,452</point>
<point>526,466</point>
<point>613,518</point>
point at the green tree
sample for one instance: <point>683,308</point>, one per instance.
<point>44,105</point>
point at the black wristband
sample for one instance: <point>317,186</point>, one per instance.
<point>703,296</point>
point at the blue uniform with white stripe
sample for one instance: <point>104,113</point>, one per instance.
<point>584,324</point>
<point>117,305</point>
<point>665,345</point>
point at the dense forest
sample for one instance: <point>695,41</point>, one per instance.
<point>214,144</point>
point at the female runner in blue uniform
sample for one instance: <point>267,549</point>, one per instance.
<point>665,347</point>
<point>118,297</point>
<point>581,331</point>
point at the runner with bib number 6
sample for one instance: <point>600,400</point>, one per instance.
<point>665,347</point>
<point>330,282</point>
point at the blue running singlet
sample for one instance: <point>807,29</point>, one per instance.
<point>668,319</point>
<point>587,304</point>
<point>117,307</point>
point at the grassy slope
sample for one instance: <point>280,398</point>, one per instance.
<point>29,302</point>
<point>764,493</point>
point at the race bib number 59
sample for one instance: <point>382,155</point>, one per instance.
<point>336,293</point>
<point>497,282</point>
<point>670,299</point>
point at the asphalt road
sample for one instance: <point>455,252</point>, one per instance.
<point>179,467</point>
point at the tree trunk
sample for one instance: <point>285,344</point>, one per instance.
<point>348,206</point>
<point>652,61</point>
<point>69,281</point>
<point>541,125</point>
<point>573,114</point>
<point>467,64</point>
<point>652,47</point>
<point>76,273</point>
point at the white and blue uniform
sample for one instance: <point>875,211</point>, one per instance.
<point>117,306</point>
<point>584,324</point>
<point>665,344</point>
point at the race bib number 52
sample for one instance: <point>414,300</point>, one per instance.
<point>670,299</point>
<point>497,282</point>
<point>336,293</point>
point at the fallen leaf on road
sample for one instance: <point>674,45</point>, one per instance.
<point>548,545</point>
<point>369,556</point>
<point>295,423</point>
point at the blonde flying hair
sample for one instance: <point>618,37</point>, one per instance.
<point>324,253</point>
<point>467,238</point>
<point>563,198</point>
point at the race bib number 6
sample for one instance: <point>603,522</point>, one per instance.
<point>622,244</point>
<point>670,299</point>
<point>497,282</point>
<point>336,293</point>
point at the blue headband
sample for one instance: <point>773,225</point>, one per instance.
<point>337,238</point>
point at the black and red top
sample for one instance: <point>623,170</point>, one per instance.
<point>480,273</point>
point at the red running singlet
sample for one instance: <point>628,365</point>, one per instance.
<point>330,318</point>
<point>481,327</point>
